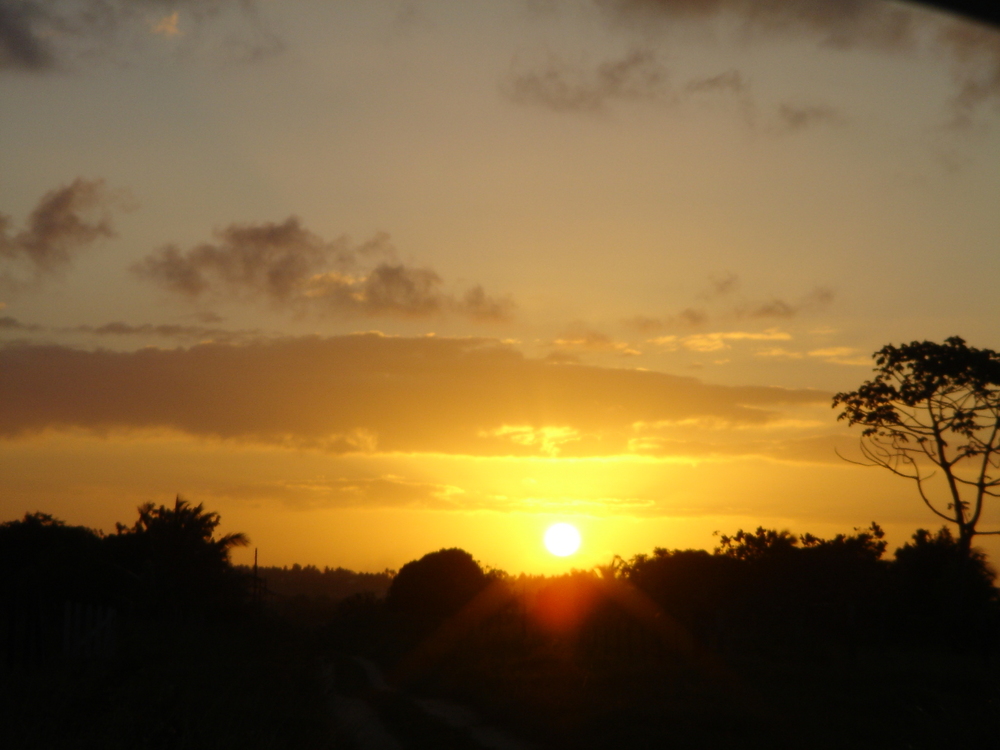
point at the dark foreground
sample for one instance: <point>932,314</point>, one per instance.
<point>772,641</point>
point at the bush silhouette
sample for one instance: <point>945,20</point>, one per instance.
<point>945,593</point>
<point>42,556</point>
<point>439,584</point>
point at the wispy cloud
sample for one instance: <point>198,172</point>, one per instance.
<point>567,87</point>
<point>717,340</point>
<point>838,355</point>
<point>580,336</point>
<point>164,330</point>
<point>581,86</point>
<point>817,299</point>
<point>292,267</point>
<point>720,292</point>
<point>7,323</point>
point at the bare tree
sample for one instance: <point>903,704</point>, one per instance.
<point>934,409</point>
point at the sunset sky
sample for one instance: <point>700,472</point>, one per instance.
<point>375,278</point>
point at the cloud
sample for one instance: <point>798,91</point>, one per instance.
<point>841,355</point>
<point>722,285</point>
<point>8,323</point>
<point>386,491</point>
<point>817,299</point>
<point>20,45</point>
<point>731,81</point>
<point>795,117</point>
<point>167,26</point>
<point>291,267</point>
<point>845,25</point>
<point>117,328</point>
<point>971,49</point>
<point>689,317</point>
<point>579,336</point>
<point>566,87</point>
<point>43,35</point>
<point>717,340</point>
<point>64,222</point>
<point>975,59</point>
<point>838,355</point>
<point>366,392</point>
<point>164,330</point>
<point>778,353</point>
<point>644,324</point>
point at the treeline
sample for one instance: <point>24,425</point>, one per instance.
<point>766,589</point>
<point>310,581</point>
<point>662,648</point>
<point>769,639</point>
<point>772,588</point>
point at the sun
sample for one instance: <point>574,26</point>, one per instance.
<point>562,539</point>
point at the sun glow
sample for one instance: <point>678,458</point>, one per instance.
<point>562,539</point>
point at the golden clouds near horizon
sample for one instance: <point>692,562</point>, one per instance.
<point>370,393</point>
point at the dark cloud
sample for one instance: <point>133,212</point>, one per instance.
<point>477,304</point>
<point>65,221</point>
<point>42,35</point>
<point>20,45</point>
<point>723,285</point>
<point>293,268</point>
<point>690,316</point>
<point>730,81</point>
<point>567,87</point>
<point>793,117</point>
<point>976,68</point>
<point>579,87</point>
<point>973,50</point>
<point>273,259</point>
<point>366,392</point>
<point>8,323</point>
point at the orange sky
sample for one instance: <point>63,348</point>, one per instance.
<point>372,279</point>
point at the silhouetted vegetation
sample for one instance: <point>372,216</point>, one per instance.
<point>934,409</point>
<point>332,584</point>
<point>427,591</point>
<point>769,638</point>
<point>146,638</point>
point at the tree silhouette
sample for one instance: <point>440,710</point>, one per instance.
<point>175,557</point>
<point>934,405</point>
<point>428,590</point>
